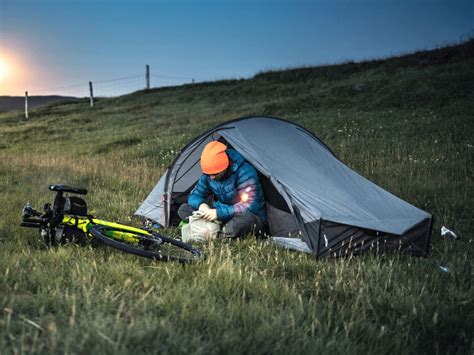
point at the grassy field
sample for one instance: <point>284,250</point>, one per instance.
<point>405,123</point>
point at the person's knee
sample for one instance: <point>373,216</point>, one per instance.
<point>241,224</point>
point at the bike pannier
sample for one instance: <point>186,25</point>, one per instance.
<point>76,206</point>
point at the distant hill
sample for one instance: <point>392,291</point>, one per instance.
<point>16,103</point>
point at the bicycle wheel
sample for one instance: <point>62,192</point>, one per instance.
<point>152,246</point>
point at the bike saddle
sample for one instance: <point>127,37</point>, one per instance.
<point>65,188</point>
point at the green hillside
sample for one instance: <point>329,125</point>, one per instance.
<point>405,123</point>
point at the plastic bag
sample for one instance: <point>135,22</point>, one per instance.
<point>199,229</point>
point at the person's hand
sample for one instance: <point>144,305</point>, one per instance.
<point>204,207</point>
<point>210,214</point>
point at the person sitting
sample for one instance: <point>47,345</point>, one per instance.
<point>233,184</point>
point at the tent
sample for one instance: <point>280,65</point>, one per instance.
<point>313,200</point>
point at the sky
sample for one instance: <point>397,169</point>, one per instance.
<point>58,46</point>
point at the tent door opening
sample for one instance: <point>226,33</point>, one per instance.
<point>280,220</point>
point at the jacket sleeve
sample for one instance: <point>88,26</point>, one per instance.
<point>224,212</point>
<point>199,194</point>
<point>247,185</point>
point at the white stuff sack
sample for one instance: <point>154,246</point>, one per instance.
<point>199,229</point>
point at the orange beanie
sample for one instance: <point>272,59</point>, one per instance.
<point>214,158</point>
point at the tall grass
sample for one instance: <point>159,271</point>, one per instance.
<point>407,126</point>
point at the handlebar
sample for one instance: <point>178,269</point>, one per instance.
<point>51,216</point>
<point>31,223</point>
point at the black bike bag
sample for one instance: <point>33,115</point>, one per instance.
<point>75,205</point>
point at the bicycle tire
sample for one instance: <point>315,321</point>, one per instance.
<point>168,249</point>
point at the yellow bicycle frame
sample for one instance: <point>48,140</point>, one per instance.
<point>117,231</point>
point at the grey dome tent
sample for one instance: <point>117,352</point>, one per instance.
<point>311,196</point>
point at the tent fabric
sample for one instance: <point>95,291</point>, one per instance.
<point>292,243</point>
<point>319,191</point>
<point>153,207</point>
<point>321,186</point>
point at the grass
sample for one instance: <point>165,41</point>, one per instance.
<point>405,123</point>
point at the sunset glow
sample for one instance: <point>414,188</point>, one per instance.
<point>14,79</point>
<point>3,69</point>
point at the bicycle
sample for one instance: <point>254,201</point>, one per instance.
<point>67,221</point>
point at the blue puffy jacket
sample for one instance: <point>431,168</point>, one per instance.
<point>228,192</point>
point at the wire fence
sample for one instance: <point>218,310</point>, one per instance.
<point>104,88</point>
<point>114,87</point>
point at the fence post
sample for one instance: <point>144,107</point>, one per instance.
<point>148,77</point>
<point>26,104</point>
<point>92,93</point>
